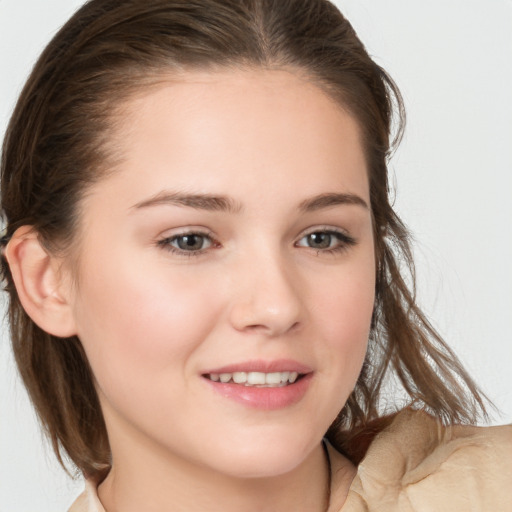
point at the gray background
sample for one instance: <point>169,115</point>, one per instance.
<point>452,60</point>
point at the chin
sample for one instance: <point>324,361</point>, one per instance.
<point>264,457</point>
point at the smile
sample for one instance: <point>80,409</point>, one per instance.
<point>264,385</point>
<point>258,379</point>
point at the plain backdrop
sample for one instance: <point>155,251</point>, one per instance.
<point>452,60</point>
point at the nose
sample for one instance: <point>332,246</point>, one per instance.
<point>267,297</point>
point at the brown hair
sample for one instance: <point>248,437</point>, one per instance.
<point>55,148</point>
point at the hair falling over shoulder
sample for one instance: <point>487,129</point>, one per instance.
<point>55,148</point>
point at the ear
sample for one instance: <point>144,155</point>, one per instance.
<point>39,283</point>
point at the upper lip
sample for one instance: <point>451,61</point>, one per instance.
<point>260,365</point>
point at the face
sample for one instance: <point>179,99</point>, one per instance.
<point>227,274</point>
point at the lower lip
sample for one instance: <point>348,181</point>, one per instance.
<point>268,399</point>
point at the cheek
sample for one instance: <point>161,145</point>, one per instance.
<point>347,312</point>
<point>140,323</point>
<point>343,313</point>
<point>342,304</point>
<point>347,298</point>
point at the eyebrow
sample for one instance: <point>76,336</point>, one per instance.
<point>331,199</point>
<point>211,202</point>
<point>198,201</point>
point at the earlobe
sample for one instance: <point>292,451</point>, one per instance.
<point>38,283</point>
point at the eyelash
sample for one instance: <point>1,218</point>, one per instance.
<point>166,242</point>
<point>344,242</point>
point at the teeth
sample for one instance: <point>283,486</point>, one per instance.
<point>274,379</point>
<point>256,378</point>
<point>239,377</point>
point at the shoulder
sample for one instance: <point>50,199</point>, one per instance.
<point>88,501</point>
<point>417,465</point>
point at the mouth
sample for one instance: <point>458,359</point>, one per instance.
<point>260,384</point>
<point>256,379</point>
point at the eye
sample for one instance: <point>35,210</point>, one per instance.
<point>326,240</point>
<point>187,243</point>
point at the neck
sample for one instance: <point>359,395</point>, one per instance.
<point>153,485</point>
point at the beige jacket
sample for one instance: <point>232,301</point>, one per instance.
<point>416,465</point>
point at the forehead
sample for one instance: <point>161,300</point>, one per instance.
<point>205,131</point>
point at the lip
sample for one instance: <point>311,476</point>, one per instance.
<point>263,398</point>
<point>260,365</point>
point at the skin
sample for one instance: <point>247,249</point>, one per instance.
<point>153,321</point>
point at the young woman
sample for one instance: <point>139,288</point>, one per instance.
<point>206,275</point>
